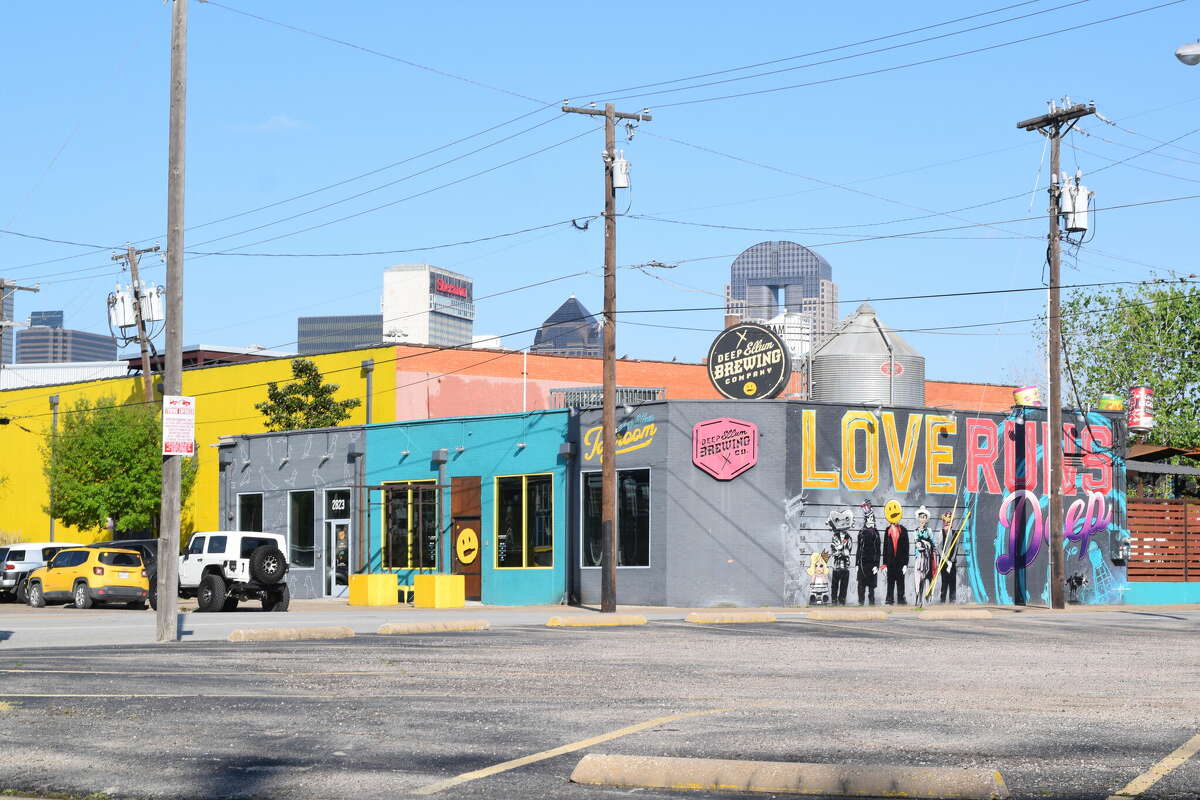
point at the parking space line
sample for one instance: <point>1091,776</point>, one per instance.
<point>505,766</point>
<point>1160,770</point>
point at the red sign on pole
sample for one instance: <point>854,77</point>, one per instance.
<point>179,425</point>
<point>725,447</point>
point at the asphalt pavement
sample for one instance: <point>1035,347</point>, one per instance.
<point>1072,705</point>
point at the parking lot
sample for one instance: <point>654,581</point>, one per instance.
<point>1064,706</point>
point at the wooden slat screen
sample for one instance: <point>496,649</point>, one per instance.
<point>1164,540</point>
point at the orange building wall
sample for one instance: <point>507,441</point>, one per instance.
<point>446,383</point>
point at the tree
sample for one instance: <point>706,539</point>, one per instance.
<point>1146,336</point>
<point>106,462</point>
<point>307,403</point>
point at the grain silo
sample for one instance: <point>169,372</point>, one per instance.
<point>864,361</point>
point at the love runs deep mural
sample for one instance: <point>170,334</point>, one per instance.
<point>989,470</point>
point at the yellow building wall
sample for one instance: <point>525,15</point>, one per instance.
<point>225,398</point>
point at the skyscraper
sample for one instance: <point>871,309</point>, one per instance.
<point>777,277</point>
<point>569,331</point>
<point>423,304</point>
<point>7,290</point>
<point>346,332</point>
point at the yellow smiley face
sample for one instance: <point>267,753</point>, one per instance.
<point>892,511</point>
<point>466,545</point>
<point>750,388</point>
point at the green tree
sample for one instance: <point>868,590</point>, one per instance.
<point>1145,336</point>
<point>307,403</point>
<point>107,462</point>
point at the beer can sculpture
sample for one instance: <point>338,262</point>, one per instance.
<point>1141,409</point>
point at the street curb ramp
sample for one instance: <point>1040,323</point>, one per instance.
<point>846,614</point>
<point>442,626</point>
<point>291,634</point>
<point>827,780</point>
<point>725,617</point>
<point>594,620</point>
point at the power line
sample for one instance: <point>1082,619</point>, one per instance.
<point>373,52</point>
<point>806,55</point>
<point>443,348</point>
<point>923,61</point>
<point>854,55</point>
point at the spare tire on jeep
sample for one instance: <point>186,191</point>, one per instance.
<point>267,564</point>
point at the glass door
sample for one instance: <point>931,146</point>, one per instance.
<point>337,558</point>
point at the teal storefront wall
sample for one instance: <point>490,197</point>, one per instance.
<point>489,449</point>
<point>1161,592</point>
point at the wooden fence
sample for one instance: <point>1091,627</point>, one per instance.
<point>1164,540</point>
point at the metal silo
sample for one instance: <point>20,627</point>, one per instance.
<point>864,361</point>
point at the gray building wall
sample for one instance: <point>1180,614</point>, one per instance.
<point>711,542</point>
<point>278,463</point>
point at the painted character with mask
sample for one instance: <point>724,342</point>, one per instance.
<point>866,555</point>
<point>926,556</point>
<point>818,586</point>
<point>895,552</point>
<point>839,522</point>
<point>949,576</point>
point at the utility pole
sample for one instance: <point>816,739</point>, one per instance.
<point>7,290</point>
<point>168,543</point>
<point>1055,124</point>
<point>130,257</point>
<point>53,443</point>
<point>608,472</point>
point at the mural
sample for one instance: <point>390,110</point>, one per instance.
<point>982,476</point>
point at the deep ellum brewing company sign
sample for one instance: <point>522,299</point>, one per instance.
<point>749,361</point>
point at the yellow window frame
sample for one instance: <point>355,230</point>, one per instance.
<point>524,519</point>
<point>385,539</point>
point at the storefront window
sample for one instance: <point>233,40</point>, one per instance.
<point>410,526</point>
<point>633,518</point>
<point>302,538</point>
<point>524,521</point>
<point>250,512</point>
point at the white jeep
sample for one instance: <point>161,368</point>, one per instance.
<point>221,568</point>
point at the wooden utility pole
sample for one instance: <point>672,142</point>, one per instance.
<point>130,257</point>
<point>168,543</point>
<point>608,472</point>
<point>1054,124</point>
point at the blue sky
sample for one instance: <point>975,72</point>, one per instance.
<point>274,113</point>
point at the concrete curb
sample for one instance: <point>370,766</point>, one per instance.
<point>846,614</point>
<point>955,613</point>
<point>595,620</point>
<point>396,628</point>
<point>290,634</point>
<point>830,780</point>
<point>722,617</point>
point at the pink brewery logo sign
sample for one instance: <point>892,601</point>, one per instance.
<point>891,368</point>
<point>724,448</point>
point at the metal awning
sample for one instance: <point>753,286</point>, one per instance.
<point>1160,469</point>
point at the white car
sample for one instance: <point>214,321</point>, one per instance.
<point>221,568</point>
<point>19,559</point>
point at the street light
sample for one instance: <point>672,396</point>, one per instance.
<point>1189,54</point>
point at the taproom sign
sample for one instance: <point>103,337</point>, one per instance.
<point>749,361</point>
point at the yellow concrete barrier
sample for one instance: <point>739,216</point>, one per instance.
<point>439,591</point>
<point>447,626</point>
<point>955,613</point>
<point>827,780</point>
<point>374,590</point>
<point>846,614</point>
<point>290,634</point>
<point>723,617</point>
<point>595,620</point>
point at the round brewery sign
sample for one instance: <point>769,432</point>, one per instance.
<point>749,361</point>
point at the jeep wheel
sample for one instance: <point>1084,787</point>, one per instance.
<point>267,564</point>
<point>22,591</point>
<point>83,596</point>
<point>277,600</point>
<point>153,579</point>
<point>211,594</point>
<point>34,596</point>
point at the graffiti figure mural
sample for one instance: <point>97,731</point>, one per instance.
<point>840,547</point>
<point>895,552</point>
<point>949,559</point>
<point>867,555</point>
<point>926,564</point>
